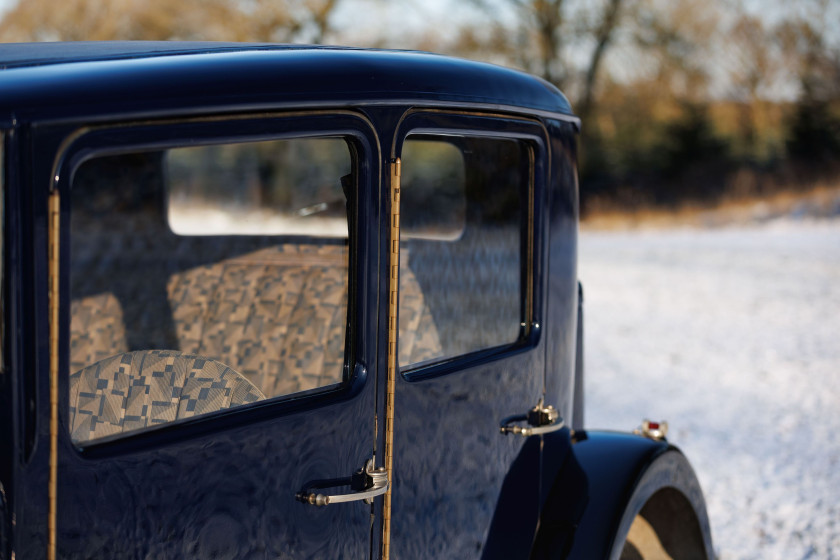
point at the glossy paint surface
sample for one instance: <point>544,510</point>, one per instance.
<point>223,486</point>
<point>451,461</point>
<point>564,497</point>
<point>613,463</point>
<point>220,486</point>
<point>621,472</point>
<point>561,278</point>
<point>262,77</point>
<point>456,474</point>
<point>226,495</point>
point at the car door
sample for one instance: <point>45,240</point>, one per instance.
<point>212,339</point>
<point>471,357</point>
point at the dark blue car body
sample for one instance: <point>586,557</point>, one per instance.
<point>224,485</point>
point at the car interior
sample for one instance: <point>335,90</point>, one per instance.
<point>190,296</point>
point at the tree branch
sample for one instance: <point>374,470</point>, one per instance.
<point>603,35</point>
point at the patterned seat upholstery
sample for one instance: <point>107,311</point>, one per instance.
<point>96,330</point>
<point>145,388</point>
<point>418,335</point>
<point>276,316</point>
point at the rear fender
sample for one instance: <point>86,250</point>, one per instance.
<point>601,487</point>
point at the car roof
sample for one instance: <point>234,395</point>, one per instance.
<point>17,55</point>
<point>106,79</point>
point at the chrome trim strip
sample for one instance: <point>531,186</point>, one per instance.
<point>393,329</point>
<point>53,254</point>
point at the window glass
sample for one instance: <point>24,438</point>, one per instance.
<point>436,176</point>
<point>184,301</point>
<point>284,187</point>
<point>461,258</point>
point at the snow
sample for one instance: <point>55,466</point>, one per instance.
<point>733,336</point>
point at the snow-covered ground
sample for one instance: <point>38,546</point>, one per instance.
<point>733,336</point>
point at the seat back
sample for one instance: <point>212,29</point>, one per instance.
<point>97,330</point>
<point>277,315</point>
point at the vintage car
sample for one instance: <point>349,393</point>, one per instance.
<point>267,301</point>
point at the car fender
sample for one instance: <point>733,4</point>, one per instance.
<point>604,483</point>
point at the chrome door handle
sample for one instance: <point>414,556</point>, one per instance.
<point>541,420</point>
<point>368,483</point>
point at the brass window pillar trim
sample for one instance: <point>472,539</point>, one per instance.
<point>54,205</point>
<point>393,329</point>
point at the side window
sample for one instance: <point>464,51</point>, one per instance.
<point>464,219</point>
<point>204,278</point>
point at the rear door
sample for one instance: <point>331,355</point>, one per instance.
<point>213,343</point>
<point>470,350</point>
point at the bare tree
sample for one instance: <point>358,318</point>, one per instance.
<point>568,42</point>
<point>320,16</point>
<point>214,20</point>
<point>810,59</point>
<point>754,67</point>
<point>546,30</point>
<point>603,35</point>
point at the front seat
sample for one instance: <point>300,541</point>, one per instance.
<point>145,388</point>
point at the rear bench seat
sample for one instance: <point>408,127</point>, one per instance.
<point>274,318</point>
<point>277,315</point>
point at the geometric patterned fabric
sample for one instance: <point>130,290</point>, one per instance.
<point>96,330</point>
<point>418,336</point>
<point>276,316</point>
<point>145,388</point>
